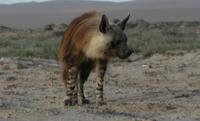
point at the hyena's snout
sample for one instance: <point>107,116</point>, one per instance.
<point>124,52</point>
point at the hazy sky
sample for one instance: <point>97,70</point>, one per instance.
<point>18,1</point>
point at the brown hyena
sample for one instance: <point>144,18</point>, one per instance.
<point>88,43</point>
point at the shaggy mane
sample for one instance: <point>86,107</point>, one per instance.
<point>77,34</point>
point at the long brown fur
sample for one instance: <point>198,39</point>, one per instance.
<point>85,46</point>
<point>75,37</point>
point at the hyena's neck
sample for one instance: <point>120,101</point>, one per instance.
<point>97,46</point>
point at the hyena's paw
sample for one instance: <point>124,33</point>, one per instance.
<point>100,103</point>
<point>83,101</point>
<point>70,102</point>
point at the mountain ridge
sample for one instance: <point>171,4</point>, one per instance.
<point>37,14</point>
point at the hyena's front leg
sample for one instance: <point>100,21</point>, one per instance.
<point>83,77</point>
<point>71,94</point>
<point>101,66</point>
<point>84,69</point>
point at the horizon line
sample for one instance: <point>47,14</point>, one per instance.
<point>41,1</point>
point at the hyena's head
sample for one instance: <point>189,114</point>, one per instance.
<point>117,45</point>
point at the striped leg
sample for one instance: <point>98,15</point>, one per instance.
<point>71,98</point>
<point>81,96</point>
<point>100,71</point>
<point>85,69</point>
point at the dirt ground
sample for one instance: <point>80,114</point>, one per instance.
<point>159,88</point>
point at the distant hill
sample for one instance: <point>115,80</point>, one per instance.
<point>36,15</point>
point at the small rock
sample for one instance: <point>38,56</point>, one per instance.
<point>144,65</point>
<point>140,119</point>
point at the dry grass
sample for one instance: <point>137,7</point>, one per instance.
<point>145,38</point>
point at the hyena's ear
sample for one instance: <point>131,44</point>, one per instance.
<point>104,24</point>
<point>122,24</point>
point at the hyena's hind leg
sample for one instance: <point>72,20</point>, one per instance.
<point>70,80</point>
<point>85,70</point>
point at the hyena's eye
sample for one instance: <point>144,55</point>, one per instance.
<point>118,41</point>
<point>115,43</point>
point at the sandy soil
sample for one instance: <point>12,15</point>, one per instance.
<point>160,88</point>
